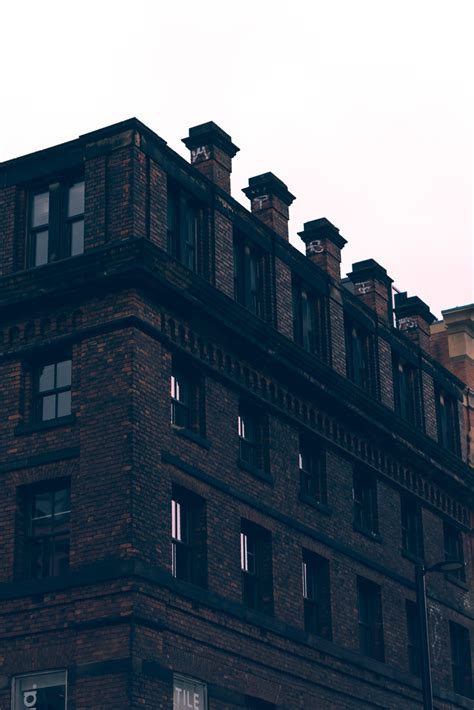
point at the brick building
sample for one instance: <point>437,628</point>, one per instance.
<point>219,462</point>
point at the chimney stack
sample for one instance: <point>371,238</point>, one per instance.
<point>323,245</point>
<point>270,199</point>
<point>414,319</point>
<point>212,151</point>
<point>373,286</point>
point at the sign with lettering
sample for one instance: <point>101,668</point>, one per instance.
<point>41,691</point>
<point>189,694</point>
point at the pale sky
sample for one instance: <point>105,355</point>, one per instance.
<point>363,108</point>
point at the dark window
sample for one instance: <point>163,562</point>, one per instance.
<point>188,537</point>
<point>312,472</point>
<point>407,390</point>
<point>359,356</point>
<point>448,421</point>
<point>248,276</point>
<point>412,528</point>
<point>47,517</point>
<point>370,619</point>
<point>40,691</point>
<point>453,549</point>
<point>249,428</point>
<point>309,320</point>
<point>461,659</point>
<point>256,566</point>
<point>365,502</point>
<point>56,223</point>
<point>185,227</point>
<point>316,594</point>
<point>413,638</point>
<point>53,391</point>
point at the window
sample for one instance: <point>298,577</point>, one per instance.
<point>256,566</point>
<point>412,528</point>
<point>316,594</point>
<point>359,356</point>
<point>312,472</point>
<point>309,320</point>
<point>53,391</point>
<point>461,659</point>
<point>188,693</point>
<point>248,276</point>
<point>185,225</point>
<point>413,637</point>
<point>406,382</point>
<point>454,549</point>
<point>448,421</point>
<point>56,223</point>
<point>188,537</point>
<point>40,691</point>
<point>249,429</point>
<point>370,619</point>
<point>365,502</point>
<point>47,516</point>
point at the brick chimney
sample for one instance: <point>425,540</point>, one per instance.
<point>373,286</point>
<point>414,319</point>
<point>270,199</point>
<point>212,151</point>
<point>323,245</point>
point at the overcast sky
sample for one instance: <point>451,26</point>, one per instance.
<point>364,109</point>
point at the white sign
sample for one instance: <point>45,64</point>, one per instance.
<point>40,691</point>
<point>189,694</point>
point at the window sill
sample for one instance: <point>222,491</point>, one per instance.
<point>42,426</point>
<point>257,472</point>
<point>193,436</point>
<point>412,557</point>
<point>321,507</point>
<point>375,537</point>
<point>457,582</point>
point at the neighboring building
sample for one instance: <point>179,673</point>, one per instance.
<point>219,464</point>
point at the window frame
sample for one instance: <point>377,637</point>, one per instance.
<point>453,543</point>
<point>192,545</point>
<point>313,477</point>
<point>370,619</point>
<point>45,541</point>
<point>309,319</point>
<point>365,505</point>
<point>187,401</point>
<point>360,355</point>
<point>407,390</point>
<point>40,395</point>
<point>316,594</point>
<point>18,703</point>
<point>59,225</point>
<point>184,210</point>
<point>249,275</point>
<point>461,663</point>
<point>257,578</point>
<point>447,419</point>
<point>411,522</point>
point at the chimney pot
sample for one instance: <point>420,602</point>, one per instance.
<point>270,199</point>
<point>323,245</point>
<point>212,151</point>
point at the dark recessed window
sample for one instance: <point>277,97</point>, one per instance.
<point>316,594</point>
<point>185,228</point>
<point>413,638</point>
<point>249,429</point>
<point>188,537</point>
<point>309,321</point>
<point>365,502</point>
<point>187,400</point>
<point>40,691</point>
<point>257,704</point>
<point>406,382</point>
<point>461,659</point>
<point>370,619</point>
<point>360,357</point>
<point>412,528</point>
<point>448,421</point>
<point>248,275</point>
<point>56,223</point>
<point>312,466</point>
<point>47,516</point>
<point>256,566</point>
<point>53,391</point>
<point>454,549</point>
